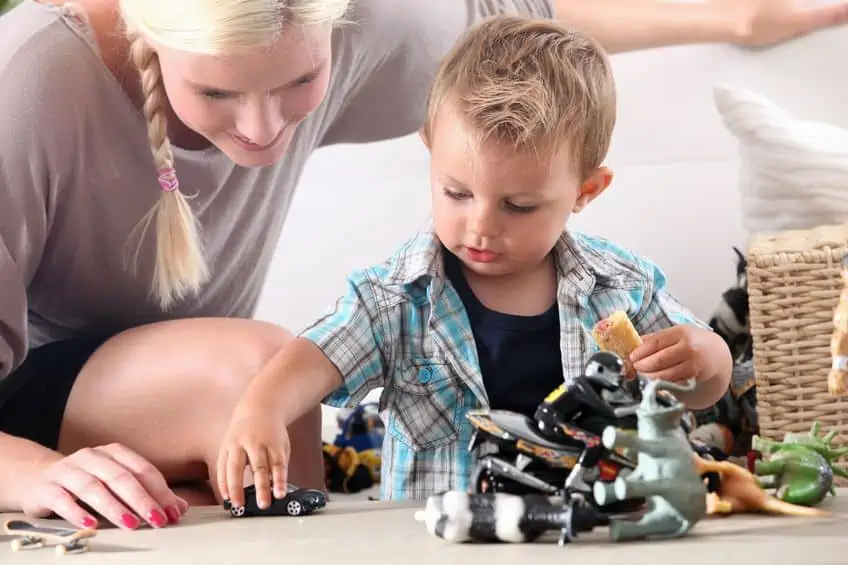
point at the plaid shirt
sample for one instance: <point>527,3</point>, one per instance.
<point>401,326</point>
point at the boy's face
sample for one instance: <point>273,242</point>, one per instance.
<point>499,211</point>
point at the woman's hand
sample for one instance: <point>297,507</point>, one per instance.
<point>764,23</point>
<point>111,481</point>
<point>257,437</point>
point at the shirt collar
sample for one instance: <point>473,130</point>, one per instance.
<point>420,261</point>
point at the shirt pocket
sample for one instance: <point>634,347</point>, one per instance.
<point>425,404</point>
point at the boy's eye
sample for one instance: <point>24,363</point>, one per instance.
<point>520,209</point>
<point>455,195</point>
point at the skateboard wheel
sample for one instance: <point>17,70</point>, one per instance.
<point>21,544</point>
<point>65,549</point>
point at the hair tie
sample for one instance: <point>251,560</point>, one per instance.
<point>168,179</point>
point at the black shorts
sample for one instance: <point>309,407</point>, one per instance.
<point>33,397</point>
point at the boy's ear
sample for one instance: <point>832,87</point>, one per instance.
<point>423,136</point>
<point>592,187</point>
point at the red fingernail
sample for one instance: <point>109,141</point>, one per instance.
<point>173,514</point>
<point>89,522</point>
<point>156,518</point>
<point>130,521</point>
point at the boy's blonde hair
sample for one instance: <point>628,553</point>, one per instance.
<point>206,27</point>
<point>532,84</point>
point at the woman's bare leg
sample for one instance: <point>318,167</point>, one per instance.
<point>167,391</point>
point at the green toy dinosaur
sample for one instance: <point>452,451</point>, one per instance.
<point>6,5</point>
<point>665,474</point>
<point>800,467</point>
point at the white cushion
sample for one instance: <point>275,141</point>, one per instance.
<point>794,172</point>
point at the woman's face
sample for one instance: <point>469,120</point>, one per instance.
<point>249,105</point>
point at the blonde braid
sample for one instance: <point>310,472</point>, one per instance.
<point>180,267</point>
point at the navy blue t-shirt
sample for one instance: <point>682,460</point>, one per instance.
<point>519,356</point>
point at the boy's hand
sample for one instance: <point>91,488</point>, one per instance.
<point>257,438</point>
<point>678,353</point>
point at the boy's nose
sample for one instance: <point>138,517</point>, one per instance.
<point>484,224</point>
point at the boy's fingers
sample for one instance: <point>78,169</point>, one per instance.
<point>221,470</point>
<point>261,476</point>
<point>663,358</point>
<point>235,476</point>
<point>679,372</point>
<point>653,343</point>
<point>279,472</point>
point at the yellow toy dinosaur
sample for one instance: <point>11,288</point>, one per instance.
<point>739,491</point>
<point>837,378</point>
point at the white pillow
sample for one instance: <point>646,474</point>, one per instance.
<point>794,173</point>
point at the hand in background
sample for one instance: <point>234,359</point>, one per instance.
<point>256,438</point>
<point>768,22</point>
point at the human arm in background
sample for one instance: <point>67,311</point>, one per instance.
<point>343,353</point>
<point>628,25</point>
<point>677,346</point>
<point>387,58</point>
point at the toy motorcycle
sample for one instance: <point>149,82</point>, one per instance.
<point>559,452</point>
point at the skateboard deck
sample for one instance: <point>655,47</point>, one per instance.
<point>31,536</point>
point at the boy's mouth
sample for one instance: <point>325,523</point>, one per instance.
<point>480,255</point>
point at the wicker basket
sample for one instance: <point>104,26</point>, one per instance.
<point>794,283</point>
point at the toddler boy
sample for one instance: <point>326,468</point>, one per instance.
<point>493,304</point>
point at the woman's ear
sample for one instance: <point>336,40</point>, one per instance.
<point>592,187</point>
<point>422,133</point>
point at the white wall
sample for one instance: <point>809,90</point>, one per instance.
<point>674,197</point>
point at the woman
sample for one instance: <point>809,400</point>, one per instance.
<point>125,338</point>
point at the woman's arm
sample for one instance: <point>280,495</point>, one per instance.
<point>21,458</point>
<point>627,25</point>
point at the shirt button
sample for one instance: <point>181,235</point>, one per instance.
<point>424,375</point>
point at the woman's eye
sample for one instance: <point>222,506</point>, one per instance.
<point>214,94</point>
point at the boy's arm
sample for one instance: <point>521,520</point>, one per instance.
<point>659,313</point>
<point>343,351</point>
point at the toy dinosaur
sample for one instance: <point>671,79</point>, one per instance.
<point>737,491</point>
<point>800,467</point>
<point>7,5</point>
<point>837,378</point>
<point>665,475</point>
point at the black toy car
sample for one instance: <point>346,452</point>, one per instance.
<point>297,502</point>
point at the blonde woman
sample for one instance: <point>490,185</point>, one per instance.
<point>148,153</point>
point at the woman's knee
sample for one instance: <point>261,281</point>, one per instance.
<point>167,390</point>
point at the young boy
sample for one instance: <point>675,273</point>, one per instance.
<point>493,305</point>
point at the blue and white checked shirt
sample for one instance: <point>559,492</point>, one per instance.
<point>400,325</point>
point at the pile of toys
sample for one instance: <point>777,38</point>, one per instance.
<point>617,450</point>
<point>352,461</point>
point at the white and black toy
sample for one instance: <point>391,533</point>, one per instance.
<point>498,517</point>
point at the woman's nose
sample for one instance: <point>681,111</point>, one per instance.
<point>260,121</point>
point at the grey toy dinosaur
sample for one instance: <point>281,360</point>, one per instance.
<point>665,475</point>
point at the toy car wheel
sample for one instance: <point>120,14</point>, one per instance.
<point>294,508</point>
<point>482,479</point>
<point>237,511</point>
